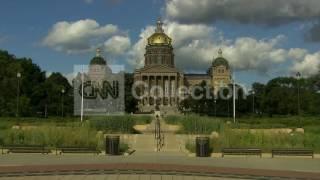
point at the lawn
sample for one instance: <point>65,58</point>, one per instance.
<point>194,124</point>
<point>70,132</point>
<point>239,134</point>
<point>54,132</point>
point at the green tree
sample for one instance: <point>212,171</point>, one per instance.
<point>31,78</point>
<point>54,97</point>
<point>130,101</point>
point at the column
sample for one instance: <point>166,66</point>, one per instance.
<point>169,89</point>
<point>148,97</point>
<point>162,86</point>
<point>173,88</point>
<point>143,89</point>
<point>156,90</point>
<point>177,88</point>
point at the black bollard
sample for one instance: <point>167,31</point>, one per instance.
<point>202,146</point>
<point>112,145</point>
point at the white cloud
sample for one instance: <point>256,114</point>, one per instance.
<point>244,11</point>
<point>136,54</point>
<point>196,45</point>
<point>117,45</point>
<point>185,33</point>
<point>297,53</point>
<point>79,36</point>
<point>310,65</point>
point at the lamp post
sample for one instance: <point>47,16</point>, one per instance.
<point>18,93</point>
<point>46,105</point>
<point>228,103</point>
<point>234,100</point>
<point>82,90</point>
<point>298,75</point>
<point>215,107</point>
<point>62,102</point>
<point>253,93</point>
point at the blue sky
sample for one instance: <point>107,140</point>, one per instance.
<point>26,23</point>
<point>257,46</point>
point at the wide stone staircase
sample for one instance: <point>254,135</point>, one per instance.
<point>170,142</point>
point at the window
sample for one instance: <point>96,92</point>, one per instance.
<point>159,60</point>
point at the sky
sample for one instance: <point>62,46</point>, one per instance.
<point>260,39</point>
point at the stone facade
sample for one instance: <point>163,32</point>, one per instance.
<point>196,79</point>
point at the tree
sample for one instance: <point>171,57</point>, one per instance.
<point>258,93</point>
<point>130,101</point>
<point>31,78</point>
<point>53,95</point>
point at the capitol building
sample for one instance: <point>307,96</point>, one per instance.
<point>159,70</point>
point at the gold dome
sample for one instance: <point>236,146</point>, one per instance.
<point>159,37</point>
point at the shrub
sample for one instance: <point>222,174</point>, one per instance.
<point>53,136</point>
<point>195,124</point>
<point>123,147</point>
<point>191,146</point>
<point>266,141</point>
<point>118,124</point>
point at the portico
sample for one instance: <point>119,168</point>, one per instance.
<point>159,87</point>
<point>161,90</point>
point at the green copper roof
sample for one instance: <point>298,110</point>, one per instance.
<point>98,61</point>
<point>220,61</point>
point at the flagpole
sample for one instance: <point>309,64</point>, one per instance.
<point>82,79</point>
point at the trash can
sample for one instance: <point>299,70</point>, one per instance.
<point>112,145</point>
<point>202,146</point>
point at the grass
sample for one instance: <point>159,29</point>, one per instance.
<point>70,132</point>
<point>52,136</point>
<point>55,132</point>
<point>194,124</point>
<point>266,141</point>
<point>238,135</point>
<point>191,146</point>
<point>110,124</point>
<point>118,124</point>
<point>278,122</point>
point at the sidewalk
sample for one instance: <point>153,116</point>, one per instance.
<point>126,170</point>
<point>303,164</point>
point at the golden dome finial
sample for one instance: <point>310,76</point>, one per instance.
<point>98,52</point>
<point>159,28</point>
<point>220,52</point>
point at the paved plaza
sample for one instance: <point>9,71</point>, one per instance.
<point>117,177</point>
<point>219,168</point>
